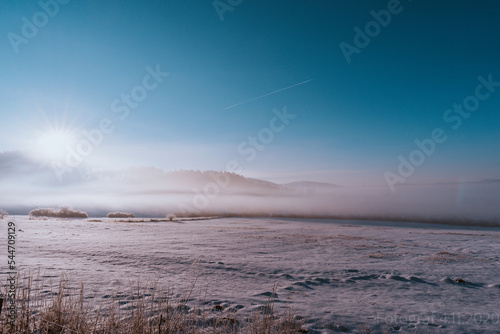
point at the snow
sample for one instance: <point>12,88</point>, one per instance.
<point>333,272</point>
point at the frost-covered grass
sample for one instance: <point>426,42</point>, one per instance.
<point>141,308</point>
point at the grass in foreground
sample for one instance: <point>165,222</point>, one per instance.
<point>64,309</point>
<point>45,309</point>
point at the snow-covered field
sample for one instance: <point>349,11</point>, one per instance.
<point>334,273</point>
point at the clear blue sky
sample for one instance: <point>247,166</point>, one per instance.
<point>352,121</point>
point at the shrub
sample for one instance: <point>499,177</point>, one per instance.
<point>120,215</point>
<point>64,212</point>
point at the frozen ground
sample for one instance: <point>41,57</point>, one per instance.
<point>334,273</point>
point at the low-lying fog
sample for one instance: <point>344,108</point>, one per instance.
<point>153,192</point>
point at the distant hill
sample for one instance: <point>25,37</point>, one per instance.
<point>18,168</point>
<point>184,181</point>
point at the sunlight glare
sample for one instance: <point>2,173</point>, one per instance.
<point>52,144</point>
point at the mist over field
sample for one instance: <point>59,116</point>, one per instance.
<point>151,191</point>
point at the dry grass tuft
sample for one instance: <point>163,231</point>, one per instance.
<point>266,321</point>
<point>47,308</point>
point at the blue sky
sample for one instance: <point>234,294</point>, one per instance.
<point>353,120</point>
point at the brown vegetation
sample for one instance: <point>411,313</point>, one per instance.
<point>64,212</point>
<point>120,215</point>
<point>65,309</point>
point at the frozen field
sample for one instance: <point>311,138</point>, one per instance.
<point>334,273</point>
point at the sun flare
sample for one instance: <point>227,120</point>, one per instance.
<point>52,144</point>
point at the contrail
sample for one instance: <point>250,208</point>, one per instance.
<point>276,91</point>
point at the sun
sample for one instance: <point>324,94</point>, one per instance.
<point>52,144</point>
<point>52,136</point>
